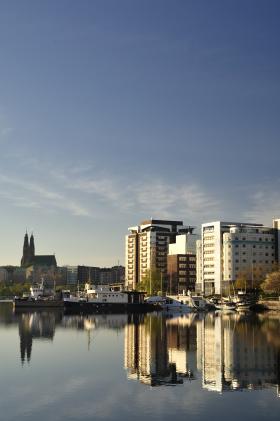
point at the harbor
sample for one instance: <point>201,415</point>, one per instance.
<point>176,362</point>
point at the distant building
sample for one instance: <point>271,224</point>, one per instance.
<point>3,275</point>
<point>37,266</point>
<point>71,275</point>
<point>30,259</point>
<point>147,249</point>
<point>113,275</point>
<point>13,274</point>
<point>95,275</point>
<point>88,274</point>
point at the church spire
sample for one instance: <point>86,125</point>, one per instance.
<point>25,254</point>
<point>31,248</point>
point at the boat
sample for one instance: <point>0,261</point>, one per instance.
<point>243,306</point>
<point>40,298</point>
<point>224,305</point>
<point>103,298</point>
<point>177,304</point>
<point>183,303</point>
<point>244,301</point>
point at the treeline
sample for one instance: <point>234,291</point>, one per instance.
<point>11,290</point>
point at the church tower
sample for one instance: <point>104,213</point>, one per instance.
<point>31,249</point>
<point>25,254</point>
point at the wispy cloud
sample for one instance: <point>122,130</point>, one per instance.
<point>26,193</point>
<point>78,192</point>
<point>83,191</point>
<point>265,203</point>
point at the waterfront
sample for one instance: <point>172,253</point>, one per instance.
<point>120,367</point>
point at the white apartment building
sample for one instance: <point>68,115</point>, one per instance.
<point>147,248</point>
<point>249,252</point>
<point>228,249</point>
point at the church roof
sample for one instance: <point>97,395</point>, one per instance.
<point>44,260</point>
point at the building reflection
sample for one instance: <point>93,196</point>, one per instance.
<point>228,352</point>
<point>41,325</point>
<point>236,353</point>
<point>159,351</point>
<point>34,326</point>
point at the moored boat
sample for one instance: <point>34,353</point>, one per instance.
<point>102,299</point>
<point>225,306</point>
<point>40,298</point>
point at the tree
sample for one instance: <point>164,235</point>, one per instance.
<point>272,282</point>
<point>249,278</point>
<point>242,280</point>
<point>151,282</point>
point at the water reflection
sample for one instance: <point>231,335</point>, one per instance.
<point>35,326</point>
<point>160,351</point>
<point>236,354</point>
<point>228,352</point>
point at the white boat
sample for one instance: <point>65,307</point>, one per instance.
<point>194,302</point>
<point>243,305</point>
<point>177,304</point>
<point>103,298</point>
<point>225,306</point>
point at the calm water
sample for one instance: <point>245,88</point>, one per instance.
<point>117,367</point>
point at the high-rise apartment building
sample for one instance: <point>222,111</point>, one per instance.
<point>147,248</point>
<point>229,250</point>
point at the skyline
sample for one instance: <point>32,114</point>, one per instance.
<point>114,113</point>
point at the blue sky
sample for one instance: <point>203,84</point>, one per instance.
<point>112,111</point>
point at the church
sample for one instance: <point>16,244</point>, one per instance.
<point>30,259</point>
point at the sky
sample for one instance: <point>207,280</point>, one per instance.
<point>115,111</point>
